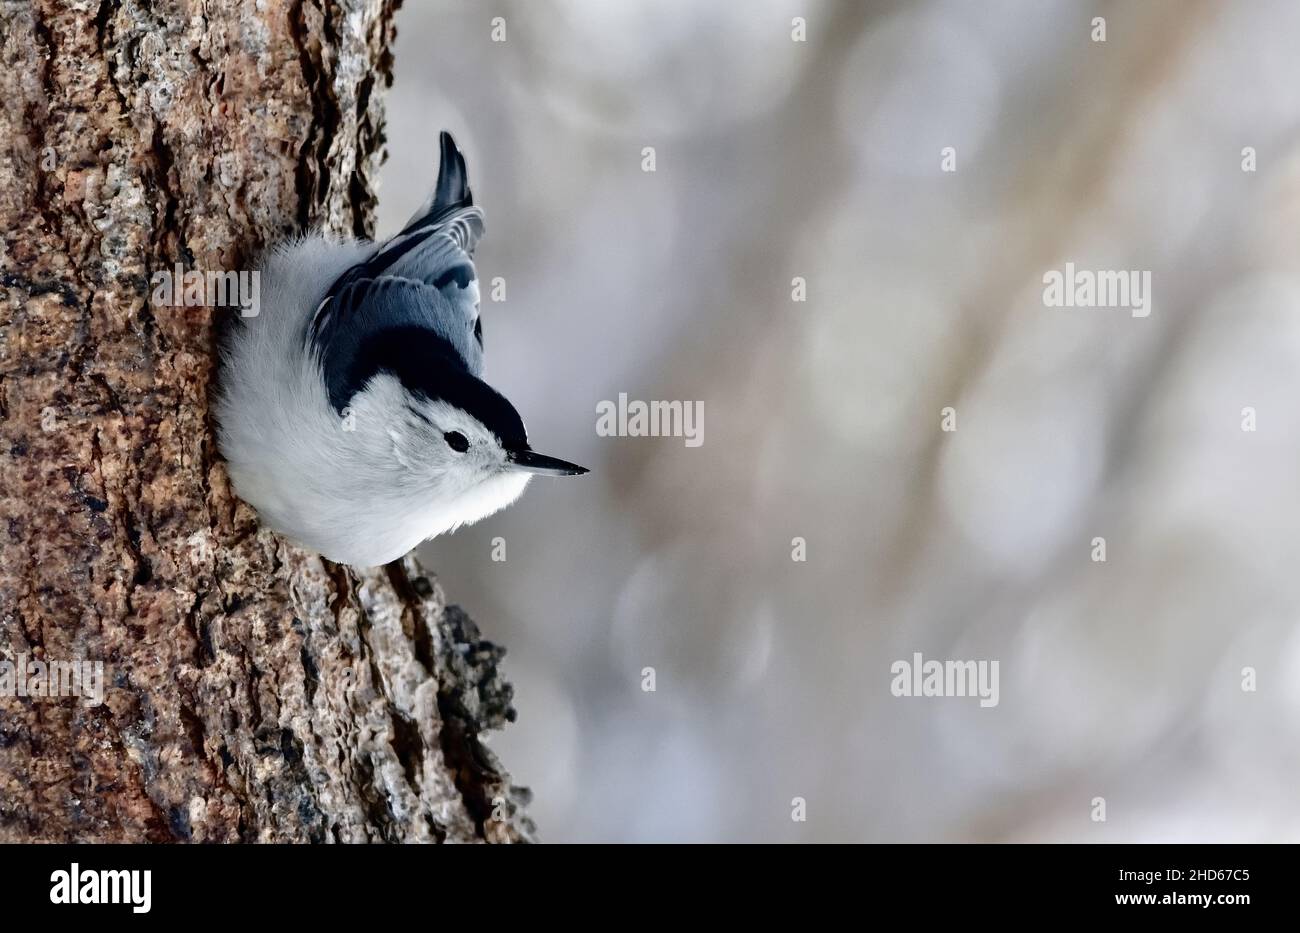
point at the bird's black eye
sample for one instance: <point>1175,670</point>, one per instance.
<point>456,441</point>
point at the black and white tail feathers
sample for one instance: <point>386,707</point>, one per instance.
<point>449,211</point>
<point>452,190</point>
<point>451,205</point>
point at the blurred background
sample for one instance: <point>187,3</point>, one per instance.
<point>821,159</point>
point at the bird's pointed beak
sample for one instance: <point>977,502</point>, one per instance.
<point>528,461</point>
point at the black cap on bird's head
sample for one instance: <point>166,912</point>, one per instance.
<point>493,410</point>
<point>429,367</point>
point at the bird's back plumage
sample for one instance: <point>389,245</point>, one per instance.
<point>423,277</point>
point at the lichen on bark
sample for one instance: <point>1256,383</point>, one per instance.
<point>254,691</point>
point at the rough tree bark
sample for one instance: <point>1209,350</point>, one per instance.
<point>254,692</point>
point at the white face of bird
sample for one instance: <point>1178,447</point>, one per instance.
<point>440,448</point>
<point>476,446</point>
<point>451,443</point>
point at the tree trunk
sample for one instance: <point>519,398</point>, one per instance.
<point>253,692</point>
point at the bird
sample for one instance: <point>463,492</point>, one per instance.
<point>351,410</point>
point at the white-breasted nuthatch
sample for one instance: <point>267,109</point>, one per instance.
<point>351,411</point>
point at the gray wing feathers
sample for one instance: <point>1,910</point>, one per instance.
<point>396,301</point>
<point>422,277</point>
